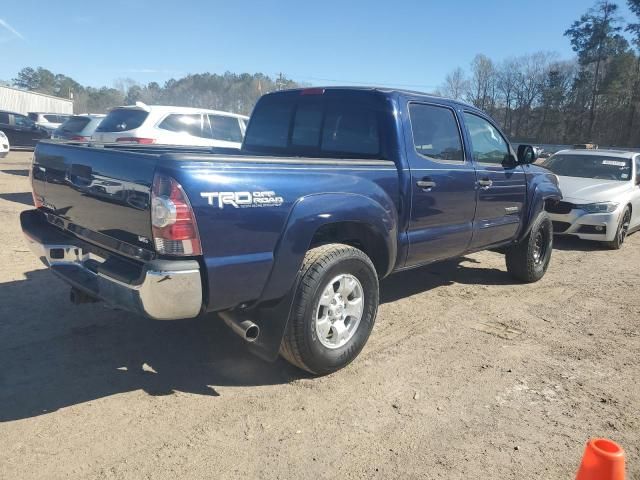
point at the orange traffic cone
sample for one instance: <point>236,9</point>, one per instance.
<point>602,460</point>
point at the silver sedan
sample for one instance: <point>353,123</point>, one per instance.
<point>601,194</point>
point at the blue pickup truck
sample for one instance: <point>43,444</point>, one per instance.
<point>287,238</point>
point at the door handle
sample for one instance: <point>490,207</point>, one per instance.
<point>426,184</point>
<point>485,183</point>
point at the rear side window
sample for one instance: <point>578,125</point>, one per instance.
<point>122,119</point>
<point>75,124</point>
<point>315,126</point>
<point>179,123</point>
<point>225,128</point>
<point>435,132</point>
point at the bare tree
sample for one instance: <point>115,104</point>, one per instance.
<point>455,85</point>
<point>481,90</point>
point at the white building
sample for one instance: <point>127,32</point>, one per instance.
<point>21,101</point>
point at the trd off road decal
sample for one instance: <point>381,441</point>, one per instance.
<point>243,199</point>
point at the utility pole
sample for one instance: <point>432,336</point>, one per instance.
<point>280,82</point>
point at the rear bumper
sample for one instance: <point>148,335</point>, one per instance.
<point>159,289</point>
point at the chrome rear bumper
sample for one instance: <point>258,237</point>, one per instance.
<point>159,289</point>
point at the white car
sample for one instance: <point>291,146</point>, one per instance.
<point>4,145</point>
<point>601,194</point>
<point>49,121</point>
<point>166,125</point>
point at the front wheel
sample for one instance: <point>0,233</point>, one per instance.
<point>528,260</point>
<point>623,230</point>
<point>334,309</point>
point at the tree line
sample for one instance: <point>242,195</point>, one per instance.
<point>230,92</point>
<point>541,98</point>
<point>538,97</point>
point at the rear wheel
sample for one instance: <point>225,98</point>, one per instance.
<point>623,230</point>
<point>528,260</point>
<point>334,309</point>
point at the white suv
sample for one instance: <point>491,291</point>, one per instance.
<point>49,121</point>
<point>168,125</point>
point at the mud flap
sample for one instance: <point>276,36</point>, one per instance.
<point>272,320</point>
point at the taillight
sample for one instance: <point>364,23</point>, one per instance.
<point>79,138</point>
<point>172,220</point>
<point>140,140</point>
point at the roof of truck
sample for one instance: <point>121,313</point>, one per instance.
<point>388,90</point>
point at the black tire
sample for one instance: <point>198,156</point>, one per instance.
<point>301,345</point>
<point>622,232</point>
<point>528,260</point>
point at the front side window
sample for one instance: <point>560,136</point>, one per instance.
<point>487,143</point>
<point>4,118</point>
<point>180,123</point>
<point>225,128</point>
<point>435,132</point>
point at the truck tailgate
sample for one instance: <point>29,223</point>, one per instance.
<point>100,194</point>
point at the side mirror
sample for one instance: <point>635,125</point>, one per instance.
<point>526,154</point>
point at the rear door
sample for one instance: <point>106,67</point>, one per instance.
<point>501,185</point>
<point>443,182</point>
<point>25,130</point>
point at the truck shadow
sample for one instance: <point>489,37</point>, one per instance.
<point>54,354</point>
<point>448,272</point>
<point>22,197</point>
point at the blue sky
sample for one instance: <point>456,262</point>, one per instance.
<point>412,43</point>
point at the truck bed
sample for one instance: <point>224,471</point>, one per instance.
<point>242,203</point>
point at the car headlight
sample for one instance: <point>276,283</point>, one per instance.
<point>603,207</point>
<point>2,135</point>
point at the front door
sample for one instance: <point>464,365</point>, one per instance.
<point>443,181</point>
<point>502,186</point>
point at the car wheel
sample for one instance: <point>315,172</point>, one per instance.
<point>623,230</point>
<point>528,260</point>
<point>334,309</point>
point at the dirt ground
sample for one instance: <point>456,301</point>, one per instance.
<point>467,375</point>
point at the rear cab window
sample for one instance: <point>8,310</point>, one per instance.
<point>122,119</point>
<point>331,125</point>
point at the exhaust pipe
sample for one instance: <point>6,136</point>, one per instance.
<point>248,330</point>
<point>78,297</point>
